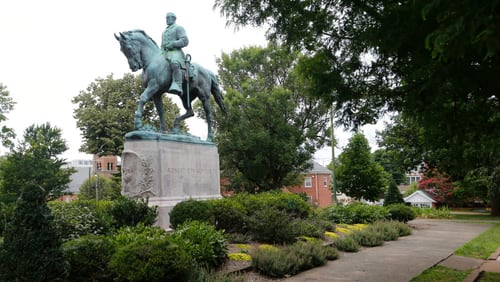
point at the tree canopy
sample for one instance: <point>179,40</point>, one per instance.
<point>36,159</point>
<point>435,61</point>
<point>107,188</point>
<point>357,174</point>
<point>6,105</point>
<point>273,125</point>
<point>105,113</point>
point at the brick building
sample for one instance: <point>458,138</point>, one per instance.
<point>317,185</point>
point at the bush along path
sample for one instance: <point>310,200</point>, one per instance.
<point>308,252</point>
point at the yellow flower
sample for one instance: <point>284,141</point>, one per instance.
<point>331,234</point>
<point>239,256</point>
<point>343,230</point>
<point>268,247</point>
<point>243,247</point>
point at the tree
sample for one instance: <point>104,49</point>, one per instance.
<point>273,126</point>
<point>35,160</point>
<point>439,186</point>
<point>393,195</point>
<point>388,161</point>
<point>107,188</point>
<point>435,61</point>
<point>357,174</point>
<point>105,113</point>
<point>6,105</point>
<point>32,248</point>
<point>403,139</point>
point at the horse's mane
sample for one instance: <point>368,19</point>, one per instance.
<point>143,33</point>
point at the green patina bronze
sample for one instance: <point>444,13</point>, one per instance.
<point>158,74</point>
<point>174,38</point>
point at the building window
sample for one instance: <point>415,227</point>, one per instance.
<point>325,181</point>
<point>413,178</point>
<point>110,166</point>
<point>309,199</point>
<point>98,166</point>
<point>308,182</point>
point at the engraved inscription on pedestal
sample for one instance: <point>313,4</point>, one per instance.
<point>168,172</point>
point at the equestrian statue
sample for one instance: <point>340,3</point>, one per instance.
<point>167,69</point>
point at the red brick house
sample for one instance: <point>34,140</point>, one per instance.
<point>105,165</point>
<point>317,185</point>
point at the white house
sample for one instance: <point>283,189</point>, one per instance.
<point>420,199</point>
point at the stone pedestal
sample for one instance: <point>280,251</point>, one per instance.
<point>168,172</point>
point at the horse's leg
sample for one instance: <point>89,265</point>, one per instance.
<point>208,112</point>
<point>157,99</point>
<point>189,113</point>
<point>148,93</point>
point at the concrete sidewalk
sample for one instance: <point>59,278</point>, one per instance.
<point>432,242</point>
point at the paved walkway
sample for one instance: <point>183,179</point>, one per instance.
<point>432,242</point>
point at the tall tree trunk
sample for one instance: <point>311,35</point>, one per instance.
<point>495,205</point>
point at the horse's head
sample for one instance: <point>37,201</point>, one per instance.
<point>131,48</point>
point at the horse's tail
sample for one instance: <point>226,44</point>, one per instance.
<point>215,89</point>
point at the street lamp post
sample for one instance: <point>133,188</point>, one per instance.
<point>334,184</point>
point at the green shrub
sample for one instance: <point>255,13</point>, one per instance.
<point>368,238</point>
<point>401,212</point>
<point>306,255</point>
<point>229,215</point>
<point>141,232</point>
<point>6,210</point>
<point>441,213</point>
<point>291,259</point>
<point>355,213</point>
<point>201,274</point>
<point>403,228</point>
<point>272,226</point>
<point>151,260</point>
<point>271,262</point>
<point>191,210</point>
<point>346,244</point>
<point>306,227</point>
<point>101,210</point>
<point>206,245</point>
<point>72,220</point>
<point>237,238</point>
<point>324,224</point>
<point>393,195</point>
<point>290,203</point>
<point>32,248</point>
<point>389,231</point>
<point>331,252</point>
<point>129,212</point>
<point>88,257</point>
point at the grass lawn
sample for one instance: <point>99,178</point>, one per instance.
<point>480,247</point>
<point>483,245</point>
<point>442,274</point>
<point>489,277</point>
<point>473,217</point>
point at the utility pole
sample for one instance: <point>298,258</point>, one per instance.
<point>334,183</point>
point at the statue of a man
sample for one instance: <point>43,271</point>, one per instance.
<point>173,40</point>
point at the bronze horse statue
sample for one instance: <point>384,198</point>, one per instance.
<point>142,52</point>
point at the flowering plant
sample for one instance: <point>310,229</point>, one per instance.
<point>438,186</point>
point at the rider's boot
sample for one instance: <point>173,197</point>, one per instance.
<point>176,86</point>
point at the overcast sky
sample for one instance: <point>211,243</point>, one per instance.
<point>51,50</point>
